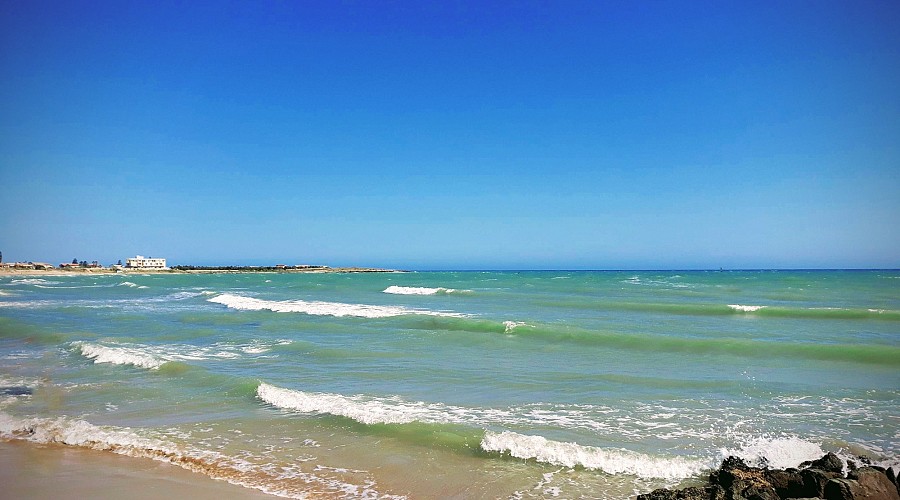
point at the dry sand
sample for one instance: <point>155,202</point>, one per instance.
<point>30,471</point>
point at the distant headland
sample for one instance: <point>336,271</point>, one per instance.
<point>143,264</point>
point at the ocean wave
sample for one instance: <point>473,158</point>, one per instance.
<point>509,326</point>
<point>121,356</point>
<point>700,309</point>
<point>130,284</point>
<point>153,357</point>
<point>610,461</point>
<point>372,410</point>
<point>741,308</point>
<point>419,290</point>
<point>359,408</point>
<point>854,353</point>
<point>33,281</point>
<point>319,308</point>
<point>375,411</point>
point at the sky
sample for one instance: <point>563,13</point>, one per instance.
<point>452,135</point>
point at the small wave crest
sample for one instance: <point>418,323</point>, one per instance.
<point>131,285</point>
<point>121,356</point>
<point>420,290</point>
<point>509,326</point>
<point>610,461</point>
<point>742,308</point>
<point>153,357</point>
<point>319,308</point>
<point>33,281</point>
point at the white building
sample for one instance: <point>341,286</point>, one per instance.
<point>141,262</point>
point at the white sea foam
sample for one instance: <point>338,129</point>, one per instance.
<point>611,461</point>
<point>319,308</point>
<point>779,452</point>
<point>78,433</point>
<point>359,408</point>
<point>394,409</point>
<point>420,290</point>
<point>121,356</point>
<point>509,326</point>
<point>152,357</point>
<point>739,307</point>
<point>33,281</point>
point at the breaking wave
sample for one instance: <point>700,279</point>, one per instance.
<point>743,347</point>
<point>130,284</point>
<point>319,308</point>
<point>779,452</point>
<point>153,357</point>
<point>738,307</point>
<point>33,281</point>
<point>700,309</point>
<point>610,461</point>
<point>395,411</point>
<point>121,356</point>
<point>420,290</point>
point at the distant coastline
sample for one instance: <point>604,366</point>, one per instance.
<point>78,271</point>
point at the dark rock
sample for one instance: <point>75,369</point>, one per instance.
<point>814,481</point>
<point>854,474</point>
<point>891,474</point>
<point>692,493</point>
<point>716,492</point>
<point>15,391</point>
<point>894,477</point>
<point>787,483</point>
<point>873,484</point>
<point>829,463</point>
<point>723,475</point>
<point>760,492</point>
<point>839,489</point>
<point>851,465</point>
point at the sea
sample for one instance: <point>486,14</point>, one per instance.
<point>520,385</point>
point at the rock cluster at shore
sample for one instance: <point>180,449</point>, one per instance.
<point>819,479</point>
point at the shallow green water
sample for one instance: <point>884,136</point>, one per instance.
<point>469,384</point>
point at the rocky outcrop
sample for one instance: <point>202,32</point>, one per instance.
<point>821,479</point>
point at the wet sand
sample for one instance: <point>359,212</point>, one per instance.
<point>48,471</point>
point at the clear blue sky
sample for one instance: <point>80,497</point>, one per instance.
<point>467,135</point>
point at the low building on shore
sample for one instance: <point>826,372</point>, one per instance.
<point>141,262</point>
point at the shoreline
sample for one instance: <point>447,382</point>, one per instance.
<point>29,470</point>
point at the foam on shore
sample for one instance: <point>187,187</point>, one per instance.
<point>286,481</point>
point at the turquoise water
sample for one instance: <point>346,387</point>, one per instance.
<point>456,384</point>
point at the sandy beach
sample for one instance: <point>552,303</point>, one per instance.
<point>49,471</point>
